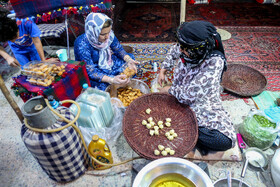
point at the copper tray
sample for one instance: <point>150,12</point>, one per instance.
<point>243,80</point>
<point>163,106</point>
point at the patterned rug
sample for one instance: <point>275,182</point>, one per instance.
<point>147,22</point>
<point>235,14</point>
<point>257,47</point>
<point>158,22</point>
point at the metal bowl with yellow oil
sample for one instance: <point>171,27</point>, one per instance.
<point>171,171</point>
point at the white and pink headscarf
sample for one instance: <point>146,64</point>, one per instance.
<point>93,26</point>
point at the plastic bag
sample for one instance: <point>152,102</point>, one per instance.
<point>273,113</point>
<point>98,116</point>
<point>258,130</point>
<point>109,134</point>
<point>128,70</point>
<point>155,85</point>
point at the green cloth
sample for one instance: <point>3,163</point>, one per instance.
<point>266,99</point>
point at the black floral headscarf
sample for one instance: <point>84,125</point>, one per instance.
<point>201,40</point>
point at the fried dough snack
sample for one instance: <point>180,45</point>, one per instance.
<point>42,74</point>
<point>128,94</point>
<point>129,72</point>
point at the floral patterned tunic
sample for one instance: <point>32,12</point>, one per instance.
<point>199,88</point>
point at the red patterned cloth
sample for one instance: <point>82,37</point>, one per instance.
<point>68,87</point>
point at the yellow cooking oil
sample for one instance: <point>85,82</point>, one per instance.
<point>99,149</point>
<point>171,180</point>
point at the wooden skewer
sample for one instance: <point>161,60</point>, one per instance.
<point>10,99</point>
<point>255,103</point>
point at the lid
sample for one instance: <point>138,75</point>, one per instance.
<point>50,98</point>
<point>85,86</point>
<point>95,138</point>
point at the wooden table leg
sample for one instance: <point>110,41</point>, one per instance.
<point>183,11</point>
<point>10,99</point>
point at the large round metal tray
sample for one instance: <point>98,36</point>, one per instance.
<point>163,106</point>
<point>243,80</point>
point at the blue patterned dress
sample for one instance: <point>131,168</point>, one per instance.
<point>85,52</point>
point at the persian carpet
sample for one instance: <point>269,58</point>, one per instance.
<point>235,14</point>
<point>158,22</point>
<point>147,22</point>
<point>257,47</point>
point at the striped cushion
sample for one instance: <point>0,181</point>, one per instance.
<point>52,30</point>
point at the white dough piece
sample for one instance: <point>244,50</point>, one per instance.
<point>152,132</point>
<point>144,122</point>
<point>170,138</point>
<point>160,122</point>
<point>167,134</point>
<point>160,147</point>
<point>150,119</point>
<point>168,124</point>
<point>148,111</point>
<point>148,125</point>
<point>172,131</point>
<point>175,135</point>
<point>156,152</point>
<point>156,132</point>
<point>152,123</point>
<point>161,126</point>
<point>168,119</point>
<point>156,127</point>
<point>171,152</point>
<point>167,149</point>
<point>164,153</point>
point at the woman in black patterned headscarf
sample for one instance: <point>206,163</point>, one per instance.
<point>200,61</point>
<point>200,40</point>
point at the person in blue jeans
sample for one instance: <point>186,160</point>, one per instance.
<point>23,38</point>
<point>102,52</point>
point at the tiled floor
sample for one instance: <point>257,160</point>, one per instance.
<point>19,168</point>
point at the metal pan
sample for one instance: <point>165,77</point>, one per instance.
<point>255,156</point>
<point>234,183</point>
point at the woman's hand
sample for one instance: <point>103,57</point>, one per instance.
<point>164,89</point>
<point>132,65</point>
<point>120,79</point>
<point>51,60</point>
<point>12,61</point>
<point>134,61</point>
<point>161,77</point>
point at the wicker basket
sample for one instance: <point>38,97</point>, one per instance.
<point>243,80</point>
<point>163,106</point>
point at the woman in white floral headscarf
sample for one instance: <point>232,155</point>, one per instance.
<point>201,61</point>
<point>102,52</point>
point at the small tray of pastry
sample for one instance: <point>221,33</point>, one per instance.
<point>42,73</point>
